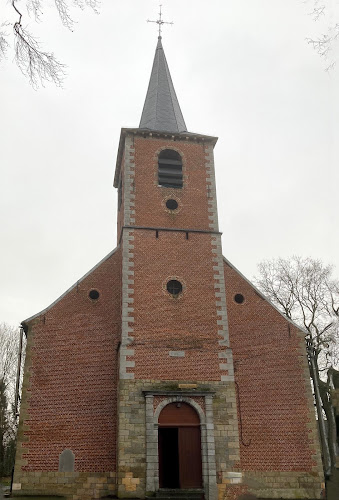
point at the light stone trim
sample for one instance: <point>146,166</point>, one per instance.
<point>129,187</point>
<point>211,189</point>
<point>226,357</point>
<point>127,309</point>
<point>207,442</point>
<point>218,268</point>
<point>177,354</point>
<point>233,477</point>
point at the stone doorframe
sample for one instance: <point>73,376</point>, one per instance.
<point>207,437</point>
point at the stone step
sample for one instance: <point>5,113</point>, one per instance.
<point>177,497</point>
<point>180,494</point>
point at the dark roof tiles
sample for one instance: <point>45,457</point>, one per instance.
<point>161,109</point>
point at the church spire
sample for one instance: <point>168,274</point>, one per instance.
<point>161,109</point>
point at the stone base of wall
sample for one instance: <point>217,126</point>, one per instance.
<point>284,484</point>
<point>227,491</point>
<point>86,486</point>
<point>71,485</point>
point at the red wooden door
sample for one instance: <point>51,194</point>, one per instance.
<point>179,462</point>
<point>190,469</point>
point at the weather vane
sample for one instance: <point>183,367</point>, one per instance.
<point>159,21</point>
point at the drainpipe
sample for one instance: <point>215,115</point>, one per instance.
<point>18,373</point>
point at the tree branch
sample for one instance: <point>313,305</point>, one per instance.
<point>37,65</point>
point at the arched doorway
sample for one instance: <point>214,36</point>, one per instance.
<point>179,447</point>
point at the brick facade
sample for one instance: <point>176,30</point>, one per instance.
<point>69,395</point>
<point>99,371</point>
<point>279,444</point>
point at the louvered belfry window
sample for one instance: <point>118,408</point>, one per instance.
<point>170,169</point>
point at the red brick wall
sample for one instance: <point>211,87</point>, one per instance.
<point>162,323</point>
<point>73,382</point>
<point>268,355</point>
<point>149,197</point>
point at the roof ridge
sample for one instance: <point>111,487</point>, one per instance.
<point>161,109</point>
<point>170,81</point>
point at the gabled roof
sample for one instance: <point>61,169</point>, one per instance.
<point>26,321</point>
<point>161,110</point>
<point>258,292</point>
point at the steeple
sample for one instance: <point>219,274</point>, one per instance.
<point>161,110</point>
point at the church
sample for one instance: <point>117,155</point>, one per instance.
<point>163,372</point>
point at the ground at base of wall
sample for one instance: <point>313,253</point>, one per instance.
<point>38,498</point>
<point>20,497</point>
<point>332,494</point>
<point>332,486</point>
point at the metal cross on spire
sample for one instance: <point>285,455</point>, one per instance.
<point>159,21</point>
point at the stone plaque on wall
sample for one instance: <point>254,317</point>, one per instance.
<point>66,461</point>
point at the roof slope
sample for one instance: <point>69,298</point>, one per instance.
<point>161,110</point>
<point>258,292</point>
<point>72,287</point>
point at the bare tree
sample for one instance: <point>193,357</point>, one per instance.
<point>306,292</point>
<point>36,64</point>
<point>324,43</point>
<point>9,347</point>
<point>8,355</point>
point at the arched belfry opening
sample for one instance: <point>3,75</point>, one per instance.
<point>179,445</point>
<point>170,169</point>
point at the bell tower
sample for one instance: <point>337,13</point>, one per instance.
<point>174,331</point>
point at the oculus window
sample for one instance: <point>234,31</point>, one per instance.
<point>174,288</point>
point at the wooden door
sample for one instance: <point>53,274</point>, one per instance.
<point>190,467</point>
<point>179,447</point>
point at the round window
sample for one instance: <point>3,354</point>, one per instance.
<point>174,287</point>
<point>94,294</point>
<point>171,204</point>
<point>239,298</point>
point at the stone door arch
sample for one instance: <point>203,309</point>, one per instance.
<point>179,445</point>
<point>206,432</point>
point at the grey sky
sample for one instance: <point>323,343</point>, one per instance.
<point>242,71</point>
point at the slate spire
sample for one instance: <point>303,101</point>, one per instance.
<point>161,109</point>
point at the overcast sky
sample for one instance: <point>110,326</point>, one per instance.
<point>242,71</point>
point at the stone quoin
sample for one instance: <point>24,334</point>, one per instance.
<point>164,367</point>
